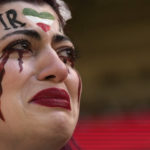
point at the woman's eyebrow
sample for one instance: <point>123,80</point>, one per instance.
<point>60,38</point>
<point>31,33</point>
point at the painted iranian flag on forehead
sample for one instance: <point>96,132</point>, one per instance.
<point>43,19</point>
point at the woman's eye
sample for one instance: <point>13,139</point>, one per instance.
<point>67,55</point>
<point>20,45</point>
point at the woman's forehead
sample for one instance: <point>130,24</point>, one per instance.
<point>27,15</point>
<point>19,5</point>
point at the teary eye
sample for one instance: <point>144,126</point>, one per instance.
<point>67,55</point>
<point>19,45</point>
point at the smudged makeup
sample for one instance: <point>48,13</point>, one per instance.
<point>11,22</point>
<point>5,56</point>
<point>24,46</point>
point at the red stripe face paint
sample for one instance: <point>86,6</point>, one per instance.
<point>5,57</point>
<point>44,27</point>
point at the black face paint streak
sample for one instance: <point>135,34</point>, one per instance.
<point>3,22</point>
<point>12,15</point>
<point>5,57</point>
<point>12,18</point>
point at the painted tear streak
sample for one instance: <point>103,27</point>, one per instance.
<point>43,19</point>
<point>5,56</point>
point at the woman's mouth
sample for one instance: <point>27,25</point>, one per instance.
<point>52,97</point>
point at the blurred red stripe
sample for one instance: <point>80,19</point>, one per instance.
<point>127,131</point>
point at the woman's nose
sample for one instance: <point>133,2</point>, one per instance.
<point>51,67</point>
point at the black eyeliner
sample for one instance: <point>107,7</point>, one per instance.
<point>14,43</point>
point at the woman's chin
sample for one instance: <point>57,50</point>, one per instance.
<point>55,125</point>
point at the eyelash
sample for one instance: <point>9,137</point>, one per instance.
<point>25,46</point>
<point>70,55</point>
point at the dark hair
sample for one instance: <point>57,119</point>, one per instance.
<point>52,3</point>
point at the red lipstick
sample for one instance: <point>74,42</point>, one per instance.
<point>52,97</point>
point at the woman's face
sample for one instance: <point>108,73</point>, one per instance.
<point>40,87</point>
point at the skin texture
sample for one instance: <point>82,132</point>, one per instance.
<point>27,125</point>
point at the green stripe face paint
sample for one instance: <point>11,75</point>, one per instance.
<point>43,19</point>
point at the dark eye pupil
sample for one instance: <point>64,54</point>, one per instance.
<point>65,60</point>
<point>24,45</point>
<point>69,53</point>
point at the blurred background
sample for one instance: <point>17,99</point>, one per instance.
<point>113,37</point>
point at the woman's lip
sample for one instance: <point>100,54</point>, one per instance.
<point>52,97</point>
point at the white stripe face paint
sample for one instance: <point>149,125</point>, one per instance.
<point>40,20</point>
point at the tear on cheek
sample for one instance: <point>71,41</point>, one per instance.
<point>20,61</point>
<point>2,72</point>
<point>5,57</point>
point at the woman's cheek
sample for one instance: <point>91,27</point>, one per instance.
<point>72,83</point>
<point>13,77</point>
